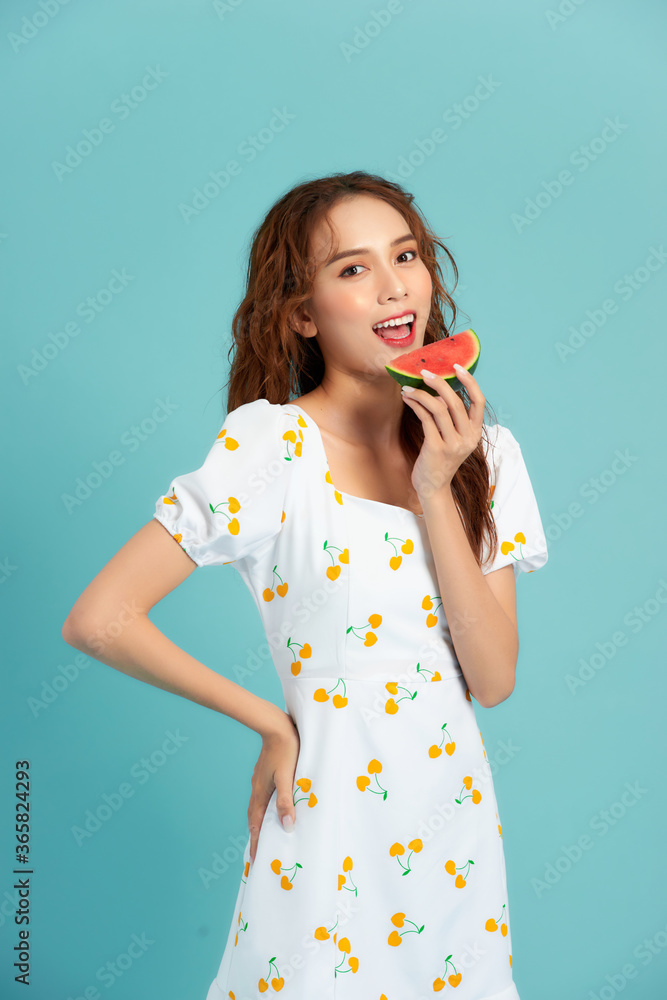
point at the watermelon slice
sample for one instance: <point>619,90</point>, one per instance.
<point>439,357</point>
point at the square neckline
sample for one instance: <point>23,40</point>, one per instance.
<point>351,496</point>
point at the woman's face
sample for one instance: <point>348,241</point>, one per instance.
<point>382,279</point>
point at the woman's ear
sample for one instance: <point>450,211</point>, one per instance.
<point>302,324</point>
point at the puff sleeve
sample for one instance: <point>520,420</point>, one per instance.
<point>521,540</point>
<point>232,505</point>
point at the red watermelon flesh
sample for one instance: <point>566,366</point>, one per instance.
<point>439,357</point>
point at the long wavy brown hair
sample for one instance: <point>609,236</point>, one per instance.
<point>272,361</point>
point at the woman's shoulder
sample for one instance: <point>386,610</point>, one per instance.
<point>258,418</point>
<point>498,441</point>
<point>265,431</point>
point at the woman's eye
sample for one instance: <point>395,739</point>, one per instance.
<point>352,266</point>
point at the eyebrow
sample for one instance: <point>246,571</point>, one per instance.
<point>360,250</point>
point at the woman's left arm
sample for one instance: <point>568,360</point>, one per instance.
<point>480,609</point>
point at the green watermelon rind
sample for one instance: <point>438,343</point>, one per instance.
<point>418,382</point>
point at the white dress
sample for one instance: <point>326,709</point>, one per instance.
<point>392,885</point>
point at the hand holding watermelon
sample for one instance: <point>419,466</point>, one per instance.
<point>451,432</point>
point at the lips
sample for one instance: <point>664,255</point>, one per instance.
<point>399,336</point>
<point>399,330</point>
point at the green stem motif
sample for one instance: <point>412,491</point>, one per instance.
<point>447,962</point>
<point>346,886</point>
<point>327,548</point>
<point>272,962</point>
<point>223,503</point>
<point>406,868</point>
<point>339,681</point>
<point>444,733</point>
<point>422,671</point>
<point>292,869</point>
<point>417,930</point>
<point>298,645</point>
<point>382,792</point>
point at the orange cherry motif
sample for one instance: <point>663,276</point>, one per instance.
<point>374,621</point>
<point>233,506</point>
<point>435,750</point>
<point>454,978</point>
<point>333,571</point>
<point>476,795</point>
<point>391,705</point>
<point>285,882</point>
<point>451,869</point>
<point>338,700</point>
<point>277,981</point>
<point>352,960</point>
<point>363,783</point>
<point>399,920</point>
<point>230,443</point>
<point>290,438</point>
<point>242,927</point>
<point>506,547</point>
<point>281,589</point>
<point>407,547</point>
<point>306,652</point>
<point>492,925</point>
<point>304,784</point>
<point>345,880</point>
<point>337,495</point>
<point>427,604</point>
<point>397,849</point>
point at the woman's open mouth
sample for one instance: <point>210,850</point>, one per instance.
<point>398,332</point>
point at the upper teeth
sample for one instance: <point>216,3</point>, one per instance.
<point>395,322</point>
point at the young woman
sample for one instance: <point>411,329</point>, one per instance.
<point>380,534</point>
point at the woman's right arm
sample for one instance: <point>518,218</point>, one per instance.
<point>109,621</point>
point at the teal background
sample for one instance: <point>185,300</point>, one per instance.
<point>587,927</point>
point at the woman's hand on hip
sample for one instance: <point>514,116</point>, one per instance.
<point>275,768</point>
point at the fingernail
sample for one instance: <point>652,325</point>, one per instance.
<point>460,368</point>
<point>408,388</point>
<point>426,373</point>
<point>288,824</point>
